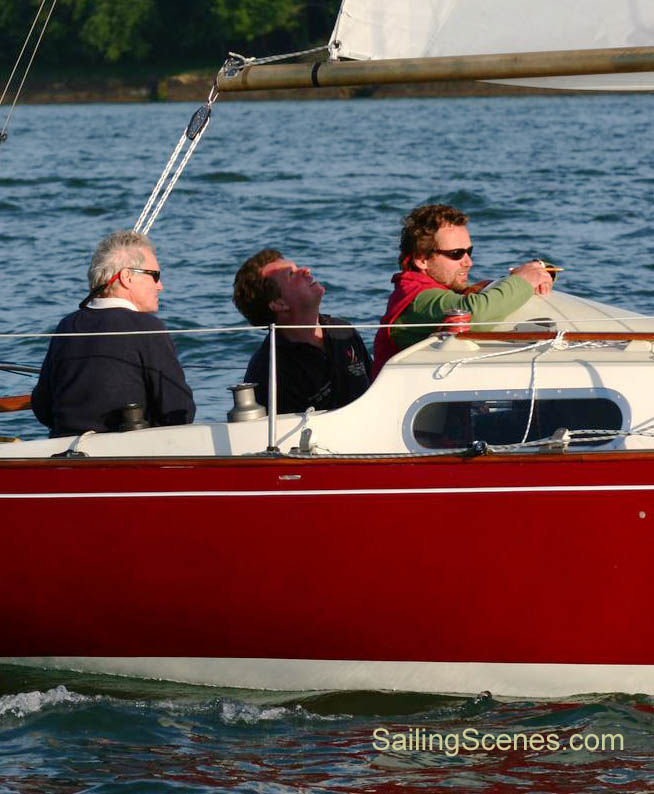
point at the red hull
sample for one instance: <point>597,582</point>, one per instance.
<point>546,558</point>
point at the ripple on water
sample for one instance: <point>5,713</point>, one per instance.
<point>222,177</point>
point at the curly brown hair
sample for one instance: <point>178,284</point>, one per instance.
<point>253,293</point>
<point>420,227</point>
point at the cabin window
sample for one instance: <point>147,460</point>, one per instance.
<point>441,425</point>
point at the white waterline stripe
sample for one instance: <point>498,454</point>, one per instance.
<point>503,679</point>
<point>349,492</point>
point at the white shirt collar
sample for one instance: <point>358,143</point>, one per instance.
<point>111,303</point>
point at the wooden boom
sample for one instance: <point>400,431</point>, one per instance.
<point>19,403</point>
<point>556,63</point>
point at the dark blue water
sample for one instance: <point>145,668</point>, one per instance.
<point>67,732</point>
<point>569,178</point>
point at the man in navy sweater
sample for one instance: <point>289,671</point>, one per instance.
<point>86,381</point>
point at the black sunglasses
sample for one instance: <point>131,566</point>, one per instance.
<point>156,274</point>
<point>454,253</point>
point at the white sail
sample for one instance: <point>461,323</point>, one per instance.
<point>373,29</point>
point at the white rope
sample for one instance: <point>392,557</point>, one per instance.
<point>148,216</point>
<point>532,401</point>
<point>175,177</point>
<point>599,435</point>
<point>437,453</point>
<point>22,82</point>
<point>558,343</point>
<point>602,435</point>
<point>451,366</point>
<point>603,432</point>
<point>162,179</point>
<point>271,58</point>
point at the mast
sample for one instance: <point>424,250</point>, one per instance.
<point>554,63</point>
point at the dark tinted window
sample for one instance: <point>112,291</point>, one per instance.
<point>455,424</point>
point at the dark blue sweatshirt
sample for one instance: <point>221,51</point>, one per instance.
<point>86,381</point>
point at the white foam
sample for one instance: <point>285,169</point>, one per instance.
<point>25,703</point>
<point>233,712</point>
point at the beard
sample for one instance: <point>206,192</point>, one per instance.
<point>460,282</point>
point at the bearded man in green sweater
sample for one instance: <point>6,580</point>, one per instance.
<point>436,257</point>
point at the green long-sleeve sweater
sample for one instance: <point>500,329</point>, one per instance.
<point>431,306</point>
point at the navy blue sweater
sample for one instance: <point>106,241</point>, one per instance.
<point>85,381</point>
<point>307,375</point>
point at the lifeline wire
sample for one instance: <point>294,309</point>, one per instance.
<point>3,132</point>
<point>368,326</point>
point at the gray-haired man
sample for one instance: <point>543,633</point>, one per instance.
<point>86,381</point>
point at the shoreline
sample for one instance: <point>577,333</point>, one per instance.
<point>194,85</point>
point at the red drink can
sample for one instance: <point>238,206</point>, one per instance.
<point>457,321</point>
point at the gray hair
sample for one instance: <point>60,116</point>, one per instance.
<point>115,252</point>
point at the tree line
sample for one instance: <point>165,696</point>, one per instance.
<point>161,31</point>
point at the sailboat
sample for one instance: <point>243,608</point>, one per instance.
<point>315,551</point>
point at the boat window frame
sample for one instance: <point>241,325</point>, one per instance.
<point>480,395</point>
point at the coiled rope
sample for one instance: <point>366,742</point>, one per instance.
<point>3,132</point>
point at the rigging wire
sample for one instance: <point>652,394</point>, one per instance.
<point>20,55</point>
<point>3,132</point>
<point>238,61</point>
<point>194,132</point>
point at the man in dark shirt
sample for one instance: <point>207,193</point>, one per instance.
<point>319,366</point>
<point>86,381</point>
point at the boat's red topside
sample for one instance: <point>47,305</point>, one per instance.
<point>530,558</point>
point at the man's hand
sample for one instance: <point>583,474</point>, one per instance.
<point>535,273</point>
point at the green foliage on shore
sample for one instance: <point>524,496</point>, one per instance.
<point>157,31</point>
